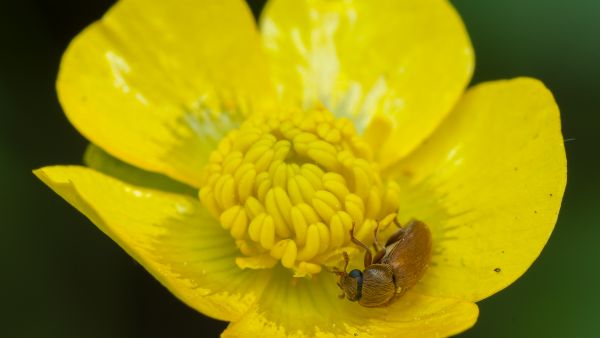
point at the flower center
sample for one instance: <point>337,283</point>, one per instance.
<point>290,188</point>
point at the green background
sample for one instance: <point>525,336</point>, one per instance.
<point>61,277</point>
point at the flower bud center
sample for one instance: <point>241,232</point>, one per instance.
<point>290,188</point>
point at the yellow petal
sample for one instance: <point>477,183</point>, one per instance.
<point>489,183</point>
<point>158,83</point>
<point>171,235</point>
<point>310,308</point>
<point>395,67</point>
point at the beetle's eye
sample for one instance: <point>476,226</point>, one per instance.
<point>358,277</point>
<point>355,273</point>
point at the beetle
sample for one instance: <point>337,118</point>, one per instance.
<point>395,268</point>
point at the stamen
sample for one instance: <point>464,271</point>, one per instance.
<point>289,189</point>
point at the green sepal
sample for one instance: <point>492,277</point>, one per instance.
<point>100,160</point>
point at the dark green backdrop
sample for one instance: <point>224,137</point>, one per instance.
<point>61,277</point>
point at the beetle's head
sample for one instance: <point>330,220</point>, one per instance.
<point>351,283</point>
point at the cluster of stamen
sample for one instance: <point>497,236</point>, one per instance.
<point>290,188</point>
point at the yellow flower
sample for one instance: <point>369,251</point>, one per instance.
<point>231,162</point>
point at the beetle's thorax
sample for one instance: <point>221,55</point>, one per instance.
<point>378,287</point>
<point>375,286</point>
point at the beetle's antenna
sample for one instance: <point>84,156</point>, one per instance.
<point>346,261</point>
<point>336,270</point>
<point>368,257</point>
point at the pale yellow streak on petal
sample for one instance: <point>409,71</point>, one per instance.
<point>395,67</point>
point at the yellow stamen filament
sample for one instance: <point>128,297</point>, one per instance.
<point>289,189</point>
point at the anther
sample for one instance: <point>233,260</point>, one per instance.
<point>288,189</point>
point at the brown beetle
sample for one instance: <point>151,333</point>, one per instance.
<point>396,267</point>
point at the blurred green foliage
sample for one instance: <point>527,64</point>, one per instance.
<point>61,277</point>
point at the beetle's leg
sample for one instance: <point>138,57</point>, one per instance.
<point>396,236</point>
<point>378,256</point>
<point>368,257</point>
<point>376,244</point>
<point>379,250</point>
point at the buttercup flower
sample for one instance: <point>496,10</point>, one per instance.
<point>232,162</point>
